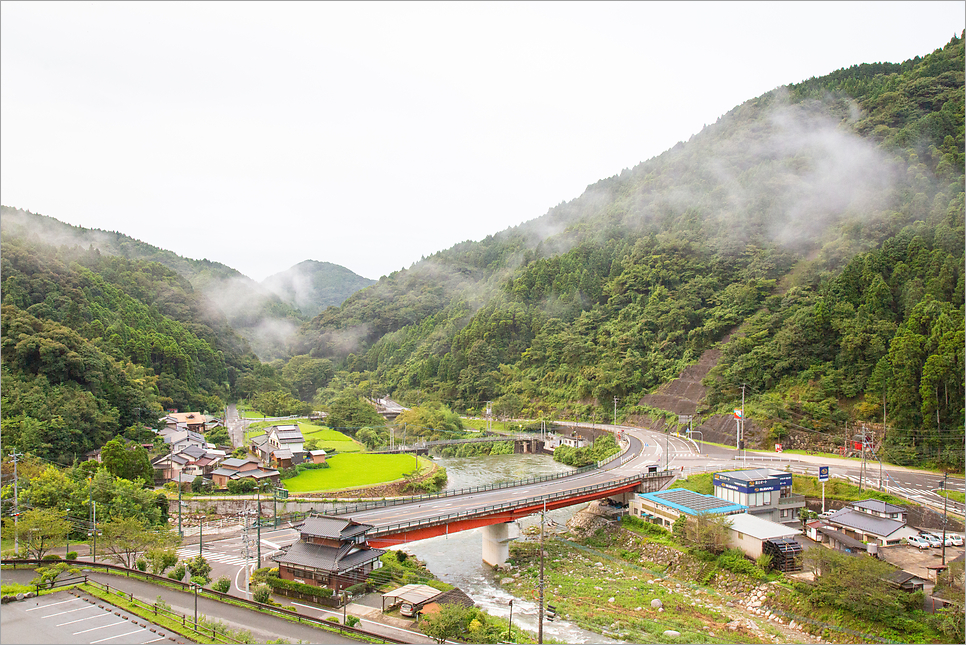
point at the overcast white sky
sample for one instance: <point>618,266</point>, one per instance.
<point>369,134</point>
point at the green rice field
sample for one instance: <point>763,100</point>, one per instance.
<point>352,471</point>
<point>326,437</point>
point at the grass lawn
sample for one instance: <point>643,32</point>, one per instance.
<point>327,437</point>
<point>954,495</point>
<point>352,471</point>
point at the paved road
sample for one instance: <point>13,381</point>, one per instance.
<point>648,447</point>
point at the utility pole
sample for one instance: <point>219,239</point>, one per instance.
<point>615,410</point>
<point>742,422</point>
<point>16,505</point>
<point>862,467</point>
<point>180,532</point>
<point>945,503</point>
<point>543,517</point>
<point>258,522</point>
<point>246,551</point>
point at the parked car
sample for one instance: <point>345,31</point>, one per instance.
<point>825,514</point>
<point>916,541</point>
<point>931,539</point>
<point>957,539</point>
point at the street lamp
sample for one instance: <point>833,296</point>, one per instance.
<point>195,585</point>
<point>70,525</point>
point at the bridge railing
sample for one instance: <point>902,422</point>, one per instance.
<point>394,501</point>
<point>529,501</point>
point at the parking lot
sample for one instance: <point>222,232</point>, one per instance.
<point>66,618</point>
<point>916,561</point>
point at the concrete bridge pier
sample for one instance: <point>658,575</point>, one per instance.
<point>496,542</point>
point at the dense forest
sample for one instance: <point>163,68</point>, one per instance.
<point>818,228</point>
<point>823,222</point>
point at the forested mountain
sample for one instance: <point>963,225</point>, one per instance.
<point>92,342</point>
<point>256,313</point>
<point>822,220</point>
<point>311,286</point>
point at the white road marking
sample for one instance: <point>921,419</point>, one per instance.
<point>60,613</point>
<point>120,622</point>
<point>71,622</point>
<point>53,604</point>
<point>118,636</point>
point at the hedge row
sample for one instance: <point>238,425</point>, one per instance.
<point>291,585</point>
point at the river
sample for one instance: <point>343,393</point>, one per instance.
<point>457,558</point>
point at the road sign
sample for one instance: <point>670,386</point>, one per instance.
<point>281,493</point>
<point>823,473</point>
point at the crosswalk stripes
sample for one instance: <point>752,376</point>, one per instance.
<point>214,556</point>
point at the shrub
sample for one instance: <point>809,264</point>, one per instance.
<point>141,564</point>
<point>178,572</point>
<point>222,584</point>
<point>735,560</point>
<point>262,593</point>
<point>351,621</point>
<point>71,555</point>
<point>291,585</point>
<point>201,581</point>
<point>236,486</point>
<point>51,556</point>
<point>199,567</point>
<point>357,590</point>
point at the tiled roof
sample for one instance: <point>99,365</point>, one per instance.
<point>326,558</point>
<point>334,528</point>
<point>878,506</point>
<point>282,453</point>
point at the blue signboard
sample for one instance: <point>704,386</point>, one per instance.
<point>823,473</point>
<point>770,483</point>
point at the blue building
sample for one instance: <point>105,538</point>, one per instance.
<point>665,506</point>
<point>766,492</point>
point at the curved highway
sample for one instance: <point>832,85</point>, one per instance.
<point>649,447</point>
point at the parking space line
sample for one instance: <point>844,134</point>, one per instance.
<point>101,627</point>
<point>153,640</point>
<point>118,636</point>
<point>53,603</point>
<point>61,613</point>
<point>71,622</point>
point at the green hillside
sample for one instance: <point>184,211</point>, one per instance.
<point>91,343</point>
<point>255,313</point>
<point>311,286</point>
<point>823,220</point>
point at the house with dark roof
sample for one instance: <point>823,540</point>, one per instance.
<point>331,552</point>
<point>879,508</point>
<point>865,527</point>
<point>664,507</point>
<point>233,469</point>
<point>281,446</point>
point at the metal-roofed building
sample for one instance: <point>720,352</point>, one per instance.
<point>664,507</point>
<point>331,552</point>
<point>879,508</point>
<point>866,527</point>
<point>765,491</point>
<point>750,533</point>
